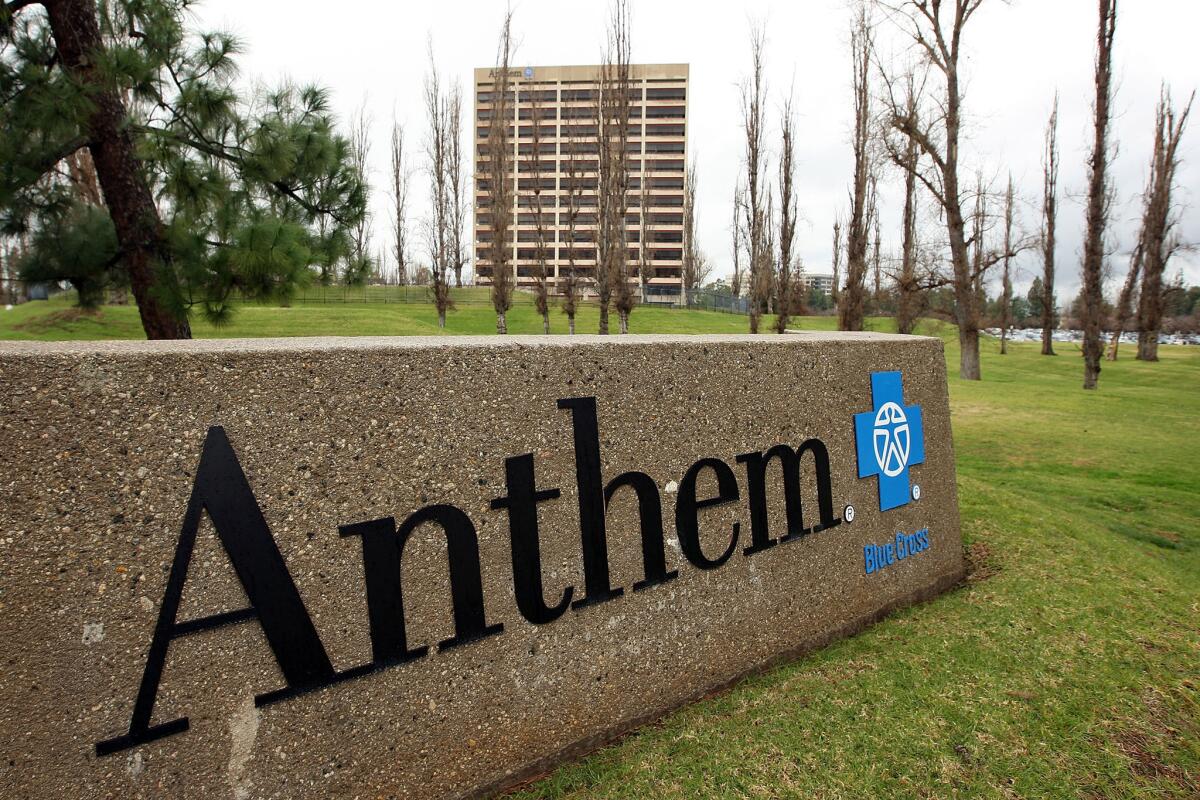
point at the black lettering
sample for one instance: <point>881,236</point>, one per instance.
<point>789,462</point>
<point>654,559</point>
<point>384,578</point>
<point>687,523</point>
<point>592,532</point>
<point>521,503</point>
<point>221,488</point>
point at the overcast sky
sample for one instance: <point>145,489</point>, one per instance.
<point>1018,54</point>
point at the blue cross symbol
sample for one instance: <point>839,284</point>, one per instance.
<point>890,438</point>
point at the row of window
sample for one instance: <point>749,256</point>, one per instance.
<point>550,200</point>
<point>577,131</point>
<point>582,95</point>
<point>631,236</point>
<point>583,112</point>
<point>484,185</point>
<point>581,167</point>
<point>581,219</point>
<point>584,148</point>
<point>578,254</point>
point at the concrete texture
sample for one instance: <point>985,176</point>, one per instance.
<point>99,444</point>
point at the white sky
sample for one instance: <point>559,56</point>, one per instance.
<point>376,52</point>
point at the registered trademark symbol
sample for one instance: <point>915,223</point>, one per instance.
<point>848,514</point>
<point>916,493</point>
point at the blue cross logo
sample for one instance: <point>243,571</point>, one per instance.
<point>890,439</point>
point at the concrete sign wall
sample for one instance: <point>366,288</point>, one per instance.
<point>428,568</point>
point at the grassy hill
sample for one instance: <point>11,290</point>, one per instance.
<point>1067,666</point>
<point>57,319</point>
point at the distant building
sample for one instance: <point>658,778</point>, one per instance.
<point>818,280</point>
<point>567,100</point>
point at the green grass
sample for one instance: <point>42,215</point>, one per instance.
<point>1068,666</point>
<point>57,319</point>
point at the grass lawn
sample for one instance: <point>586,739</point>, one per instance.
<point>1067,666</point>
<point>57,319</point>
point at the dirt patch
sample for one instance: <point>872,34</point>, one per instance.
<point>981,562</point>
<point>1147,749</point>
<point>57,319</point>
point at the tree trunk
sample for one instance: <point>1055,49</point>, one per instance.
<point>968,340</point>
<point>546,324</point>
<point>442,318</point>
<point>1097,208</point>
<point>571,324</point>
<point>1125,303</point>
<point>501,323</point>
<point>603,319</point>
<point>623,321</point>
<point>138,227</point>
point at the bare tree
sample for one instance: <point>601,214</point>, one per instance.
<point>939,42</point>
<point>438,224</point>
<point>739,239</point>
<point>459,202</point>
<point>907,284</point>
<point>1098,198</point>
<point>541,286</point>
<point>691,252</point>
<point>851,302</point>
<point>789,210</point>
<point>753,91</point>
<point>616,110</point>
<point>612,263</point>
<point>401,177</point>
<point>1049,225</point>
<point>1124,309</point>
<point>500,179</point>
<point>837,261</point>
<point>646,230</point>
<point>1159,241</point>
<point>568,283</point>
<point>979,227</point>
<point>876,253</point>
<point>1006,280</point>
<point>359,263</point>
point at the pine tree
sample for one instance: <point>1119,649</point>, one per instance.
<point>209,192</point>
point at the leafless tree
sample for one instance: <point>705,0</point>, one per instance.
<point>1098,198</point>
<point>979,228</point>
<point>753,91</point>
<point>691,251</point>
<point>837,261</point>
<point>536,171</point>
<point>646,230</point>
<point>907,285</point>
<point>568,283</point>
<point>500,180</point>
<point>739,239</point>
<point>1159,240</point>
<point>851,302</point>
<point>936,28</point>
<point>612,263</point>
<point>438,225</point>
<point>1006,280</point>
<point>1124,310</point>
<point>459,202</point>
<point>876,254</point>
<point>789,210</point>
<point>359,263</point>
<point>401,177</point>
<point>1049,228</point>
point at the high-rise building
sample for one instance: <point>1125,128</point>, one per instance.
<point>563,102</point>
